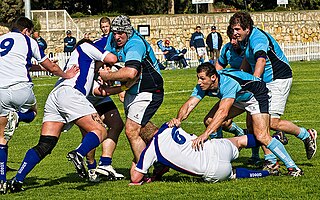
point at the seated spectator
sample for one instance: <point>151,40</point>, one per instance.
<point>171,54</point>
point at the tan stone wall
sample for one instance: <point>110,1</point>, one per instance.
<point>286,27</point>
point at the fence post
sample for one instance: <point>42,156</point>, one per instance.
<point>308,51</point>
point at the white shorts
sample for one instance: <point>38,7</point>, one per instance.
<point>220,168</point>
<point>201,51</point>
<point>66,104</point>
<point>280,89</point>
<point>18,97</point>
<point>253,106</point>
<point>141,107</point>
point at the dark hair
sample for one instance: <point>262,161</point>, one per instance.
<point>243,19</point>
<point>198,27</point>
<point>22,23</point>
<point>104,20</point>
<point>230,32</point>
<point>208,68</point>
<point>83,40</point>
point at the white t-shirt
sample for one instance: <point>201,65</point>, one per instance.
<point>16,51</point>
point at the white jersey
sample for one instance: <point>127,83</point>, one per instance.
<point>173,147</point>
<point>16,51</point>
<point>83,56</point>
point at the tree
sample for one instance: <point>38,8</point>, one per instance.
<point>10,10</point>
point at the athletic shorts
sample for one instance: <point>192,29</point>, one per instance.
<point>141,107</point>
<point>253,106</point>
<point>18,97</point>
<point>280,89</point>
<point>219,166</point>
<point>66,104</point>
<point>201,51</point>
<point>102,104</point>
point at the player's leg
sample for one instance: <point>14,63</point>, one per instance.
<point>50,133</point>
<point>261,130</point>
<point>3,155</point>
<point>113,120</point>
<point>280,90</point>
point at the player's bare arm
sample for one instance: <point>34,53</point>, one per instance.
<point>259,68</point>
<point>56,70</point>
<point>184,111</point>
<point>123,74</point>
<point>217,120</point>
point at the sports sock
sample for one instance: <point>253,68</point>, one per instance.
<point>303,134</point>
<point>217,134</point>
<point>236,130</point>
<point>277,148</point>
<point>246,173</point>
<point>92,165</point>
<point>27,116</point>
<point>89,142</point>
<point>105,160</point>
<point>3,161</point>
<point>29,162</point>
<point>271,157</point>
<point>255,152</point>
<point>252,141</point>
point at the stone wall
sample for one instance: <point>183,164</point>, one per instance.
<point>286,27</point>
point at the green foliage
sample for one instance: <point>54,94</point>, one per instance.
<point>10,10</point>
<point>78,15</point>
<point>36,23</point>
<point>55,177</point>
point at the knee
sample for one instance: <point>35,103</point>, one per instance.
<point>45,145</point>
<point>263,138</point>
<point>132,133</point>
<point>274,123</point>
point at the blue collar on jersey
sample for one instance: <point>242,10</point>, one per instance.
<point>15,30</point>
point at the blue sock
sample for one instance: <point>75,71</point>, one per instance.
<point>93,165</point>
<point>27,116</point>
<point>271,157</point>
<point>217,134</point>
<point>303,134</point>
<point>29,162</point>
<point>105,160</point>
<point>246,173</point>
<point>3,161</point>
<point>89,142</point>
<point>236,130</point>
<point>277,148</point>
<point>252,141</point>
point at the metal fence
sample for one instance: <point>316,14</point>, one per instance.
<point>60,20</point>
<point>299,52</point>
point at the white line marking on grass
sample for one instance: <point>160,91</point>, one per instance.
<point>176,92</point>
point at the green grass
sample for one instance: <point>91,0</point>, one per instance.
<point>55,177</point>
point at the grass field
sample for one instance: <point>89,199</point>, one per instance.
<point>55,177</point>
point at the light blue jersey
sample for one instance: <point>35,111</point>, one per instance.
<point>277,65</point>
<point>234,84</point>
<point>229,56</point>
<point>138,54</point>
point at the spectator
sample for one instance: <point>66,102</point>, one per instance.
<point>197,43</point>
<point>214,43</point>
<point>69,42</point>
<point>41,42</point>
<point>171,54</point>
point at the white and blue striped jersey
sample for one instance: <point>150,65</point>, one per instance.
<point>173,147</point>
<point>83,56</point>
<point>16,51</point>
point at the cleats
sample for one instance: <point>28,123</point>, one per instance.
<point>295,172</point>
<point>77,161</point>
<point>255,161</point>
<point>93,176</point>
<point>3,187</point>
<point>280,135</point>
<point>310,143</point>
<point>109,172</point>
<point>15,186</point>
<point>273,169</point>
<point>11,125</point>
